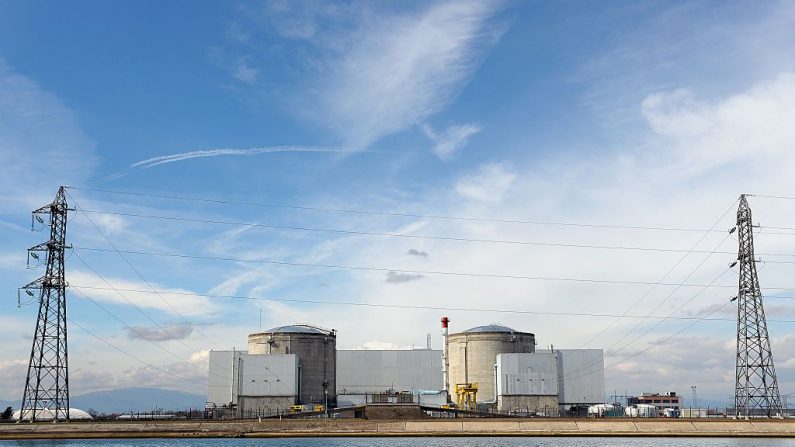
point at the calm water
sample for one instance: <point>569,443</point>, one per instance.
<point>419,442</point>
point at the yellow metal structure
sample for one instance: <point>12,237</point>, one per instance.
<point>466,396</point>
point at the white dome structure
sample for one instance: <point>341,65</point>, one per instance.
<point>48,415</point>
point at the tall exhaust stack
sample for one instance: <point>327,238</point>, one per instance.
<point>445,360</point>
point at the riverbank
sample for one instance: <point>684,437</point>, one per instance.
<point>365,428</point>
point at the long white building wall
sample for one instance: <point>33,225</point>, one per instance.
<point>375,371</point>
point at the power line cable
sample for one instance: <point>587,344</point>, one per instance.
<point>404,235</point>
<point>140,275</point>
<point>386,213</point>
<point>402,306</point>
<point>770,197</point>
<point>104,341</point>
<point>667,274</point>
<point>662,320</point>
<point>670,295</point>
<point>136,307</point>
<point>144,337</point>
<point>376,269</point>
<point>409,236</point>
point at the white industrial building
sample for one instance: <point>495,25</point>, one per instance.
<point>527,383</point>
<point>364,373</point>
<point>299,364</point>
<point>545,382</point>
<point>253,382</point>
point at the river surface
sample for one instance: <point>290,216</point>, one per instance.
<point>416,442</point>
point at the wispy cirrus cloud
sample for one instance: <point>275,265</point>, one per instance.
<point>221,152</point>
<point>450,141</point>
<point>401,69</point>
<point>40,140</point>
<point>369,71</point>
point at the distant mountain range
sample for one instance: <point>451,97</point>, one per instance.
<point>126,400</point>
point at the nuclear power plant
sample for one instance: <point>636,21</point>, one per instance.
<point>491,368</point>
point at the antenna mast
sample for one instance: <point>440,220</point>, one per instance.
<point>756,388</point>
<point>47,383</point>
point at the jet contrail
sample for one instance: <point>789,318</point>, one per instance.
<point>163,159</point>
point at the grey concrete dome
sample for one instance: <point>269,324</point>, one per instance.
<point>298,329</point>
<point>490,328</point>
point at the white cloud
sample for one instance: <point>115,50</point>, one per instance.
<point>395,71</point>
<point>452,140</point>
<point>141,295</point>
<point>244,72</point>
<point>709,134</point>
<point>13,372</point>
<point>41,143</point>
<point>172,158</point>
<point>110,224</point>
<point>488,185</point>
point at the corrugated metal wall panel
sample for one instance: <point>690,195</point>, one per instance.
<point>219,382</point>
<point>269,375</point>
<point>527,374</point>
<point>583,377</point>
<point>254,375</point>
<point>364,371</point>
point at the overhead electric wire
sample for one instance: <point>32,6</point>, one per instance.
<point>140,275</point>
<point>130,327</point>
<point>143,336</point>
<point>421,271</point>
<point>670,295</point>
<point>670,271</point>
<point>138,308</point>
<point>662,320</point>
<point>368,268</point>
<point>770,197</point>
<point>408,236</point>
<point>134,357</point>
<point>651,346</point>
<point>570,375</point>
<point>397,306</point>
<point>387,213</point>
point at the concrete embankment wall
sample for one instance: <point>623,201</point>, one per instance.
<point>459,427</point>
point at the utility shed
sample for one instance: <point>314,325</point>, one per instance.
<point>376,371</point>
<point>527,383</point>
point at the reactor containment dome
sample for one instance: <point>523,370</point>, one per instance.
<point>473,353</point>
<point>316,349</point>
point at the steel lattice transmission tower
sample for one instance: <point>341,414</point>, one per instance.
<point>47,383</point>
<point>756,388</point>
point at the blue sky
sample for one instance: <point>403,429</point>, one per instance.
<point>621,113</point>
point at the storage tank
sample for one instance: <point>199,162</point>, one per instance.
<point>316,349</point>
<point>599,410</point>
<point>473,355</point>
<point>641,411</point>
